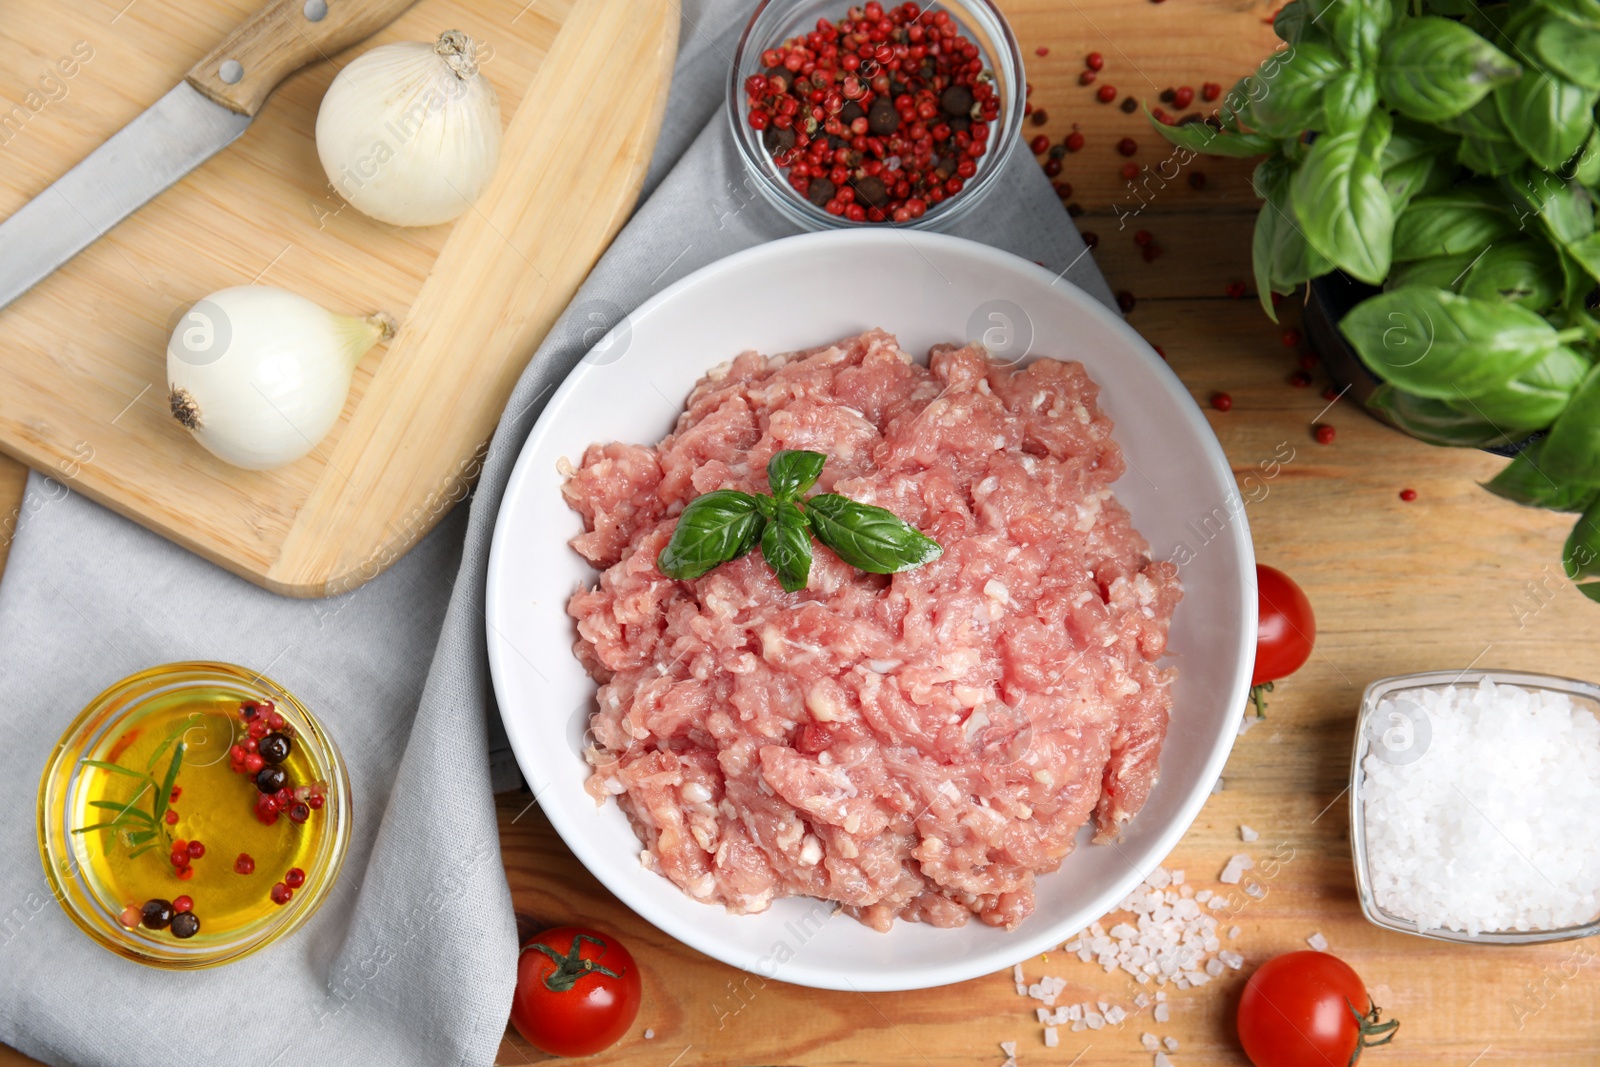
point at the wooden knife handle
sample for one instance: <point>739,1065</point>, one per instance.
<point>280,39</point>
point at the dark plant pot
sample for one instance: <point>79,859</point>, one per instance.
<point>1331,298</point>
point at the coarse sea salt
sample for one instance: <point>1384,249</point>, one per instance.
<point>1492,826</point>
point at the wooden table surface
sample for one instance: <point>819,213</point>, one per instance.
<point>1456,577</point>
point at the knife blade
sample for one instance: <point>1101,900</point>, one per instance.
<point>204,114</point>
<point>173,136</point>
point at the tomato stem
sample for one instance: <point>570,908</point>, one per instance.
<point>1373,1031</point>
<point>571,967</point>
<point>1259,699</point>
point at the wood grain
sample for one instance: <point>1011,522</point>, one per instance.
<point>280,39</point>
<point>1453,577</point>
<point>84,372</point>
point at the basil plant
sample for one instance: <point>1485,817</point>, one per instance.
<point>1447,152</point>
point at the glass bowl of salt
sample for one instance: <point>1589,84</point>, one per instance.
<point>1472,803</point>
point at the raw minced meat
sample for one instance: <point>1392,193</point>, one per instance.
<point>916,746</point>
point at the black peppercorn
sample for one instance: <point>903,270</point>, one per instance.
<point>883,119</point>
<point>274,748</point>
<point>271,779</point>
<point>778,140</point>
<point>872,191</point>
<point>956,100</point>
<point>185,925</point>
<point>820,191</point>
<point>156,914</point>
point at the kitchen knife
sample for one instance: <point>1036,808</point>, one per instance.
<point>203,115</point>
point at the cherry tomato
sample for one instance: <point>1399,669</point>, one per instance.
<point>1308,1009</point>
<point>578,991</point>
<point>1285,632</point>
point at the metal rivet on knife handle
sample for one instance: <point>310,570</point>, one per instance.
<point>316,10</point>
<point>231,71</point>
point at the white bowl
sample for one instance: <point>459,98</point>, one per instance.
<point>809,290</point>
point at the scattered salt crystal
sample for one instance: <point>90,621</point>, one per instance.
<point>1235,869</point>
<point>1141,1001</point>
<point>649,1035</point>
<point>1171,1043</point>
<point>1044,1015</point>
<point>1115,1015</point>
<point>1094,1019</point>
<point>1318,942</point>
<point>1050,1038</point>
<point>1500,793</point>
<point>1162,1061</point>
<point>1161,996</point>
<point>1075,1012</point>
<point>1254,891</point>
<point>1214,968</point>
<point>1247,721</point>
<point>1232,959</point>
<point>1009,1048</point>
<point>1247,834</point>
<point>1103,1006</point>
<point>1204,895</point>
<point>1151,1042</point>
<point>1022,990</point>
<point>1016,974</point>
<point>1162,1013</point>
<point>1233,931</point>
<point>1159,878</point>
<point>1077,1025</point>
<point>1177,877</point>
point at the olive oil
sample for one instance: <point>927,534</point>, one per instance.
<point>214,805</point>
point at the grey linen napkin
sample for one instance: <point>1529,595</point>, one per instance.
<point>412,958</point>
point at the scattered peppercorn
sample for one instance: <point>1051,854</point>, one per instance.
<point>1086,77</point>
<point>1330,394</point>
<point>1040,117</point>
<point>181,904</point>
<point>1127,146</point>
<point>1130,171</point>
<point>1040,145</point>
<point>1052,168</point>
<point>1236,290</point>
<point>131,916</point>
<point>271,779</point>
<point>1125,301</point>
<point>1129,105</point>
<point>1094,61</point>
<point>171,817</point>
<point>295,878</point>
<point>1308,361</point>
<point>1063,189</point>
<point>1222,401</point>
<point>1074,209</point>
<point>1042,50</point>
<point>244,864</point>
<point>177,791</point>
<point>1408,495</point>
<point>1166,96</point>
<point>1324,434</point>
<point>1210,91</point>
<point>1197,179</point>
<point>1182,97</point>
<point>1291,338</point>
<point>1074,141</point>
<point>1152,253</point>
<point>185,925</point>
<point>1091,239</point>
<point>156,914</point>
<point>1106,93</point>
<point>1162,352</point>
<point>281,893</point>
<point>1142,237</point>
<point>1299,379</point>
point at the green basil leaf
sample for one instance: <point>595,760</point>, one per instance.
<point>1437,344</point>
<point>1298,20</point>
<point>1524,482</point>
<point>1548,116</point>
<point>1463,221</point>
<point>713,529</point>
<point>1341,203</point>
<point>1348,100</point>
<point>1580,557</point>
<point>1586,253</point>
<point>1486,145</point>
<point>1417,161</point>
<point>1522,272</point>
<point>1435,68</point>
<point>1572,451</point>
<point>1358,27</point>
<point>791,472</point>
<point>1435,272</point>
<point>869,538</point>
<point>1586,171</point>
<point>1279,253</point>
<point>1204,139</point>
<point>1584,13</point>
<point>1291,88</point>
<point>1571,51</point>
<point>1433,421</point>
<point>1564,207</point>
<point>786,546</point>
<point>1532,400</point>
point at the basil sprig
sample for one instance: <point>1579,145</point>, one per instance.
<point>726,524</point>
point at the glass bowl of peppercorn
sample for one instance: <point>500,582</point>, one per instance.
<point>874,114</point>
<point>192,814</point>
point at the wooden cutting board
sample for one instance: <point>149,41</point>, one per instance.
<point>582,86</point>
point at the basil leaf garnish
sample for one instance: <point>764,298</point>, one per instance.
<point>791,472</point>
<point>786,546</point>
<point>869,538</point>
<point>713,529</point>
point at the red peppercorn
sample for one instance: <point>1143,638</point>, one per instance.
<point>196,849</point>
<point>183,904</point>
<point>1162,352</point>
<point>1408,495</point>
<point>316,801</point>
<point>1094,61</point>
<point>1299,379</point>
<point>1210,91</point>
<point>1182,97</point>
<point>131,916</point>
<point>1142,237</point>
<point>1091,238</point>
<point>1130,171</point>
<point>1324,434</point>
<point>281,893</point>
<point>1127,146</point>
<point>1236,290</point>
<point>253,763</point>
<point>177,791</point>
<point>1197,179</point>
<point>1052,168</point>
<point>1040,145</point>
<point>1125,301</point>
<point>244,864</point>
<point>1063,189</point>
<point>1291,337</point>
<point>1074,141</point>
<point>299,811</point>
<point>1152,253</point>
<point>172,817</point>
<point>258,730</point>
<point>295,878</point>
<point>185,873</point>
<point>1221,401</point>
<point>276,721</point>
<point>1106,93</point>
<point>1330,394</point>
<point>1308,361</point>
<point>1042,50</point>
<point>1086,77</point>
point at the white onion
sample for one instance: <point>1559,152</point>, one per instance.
<point>260,375</point>
<point>409,133</point>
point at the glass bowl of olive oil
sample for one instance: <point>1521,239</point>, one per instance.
<point>192,814</point>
